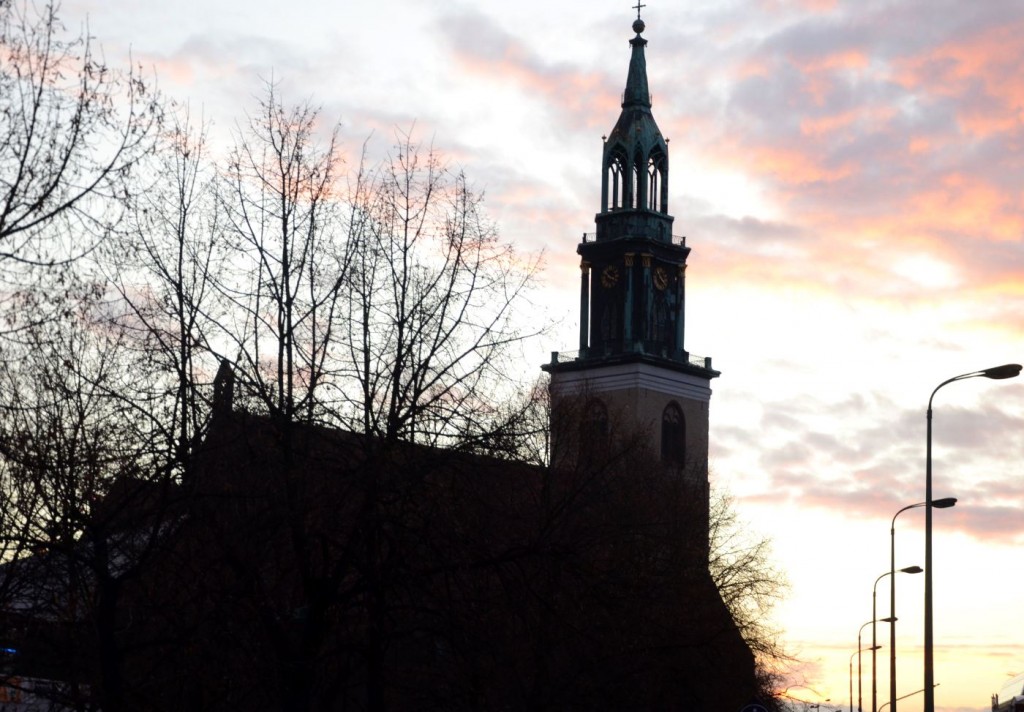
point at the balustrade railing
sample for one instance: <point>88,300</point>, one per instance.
<point>599,352</point>
<point>676,239</point>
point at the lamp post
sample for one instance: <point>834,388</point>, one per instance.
<point>860,697</point>
<point>915,692</point>
<point>857,653</point>
<point>943,503</point>
<point>891,620</point>
<point>1008,370</point>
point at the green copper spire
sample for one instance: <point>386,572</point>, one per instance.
<point>637,93</point>
<point>636,123</point>
<point>633,270</point>
<point>635,159</point>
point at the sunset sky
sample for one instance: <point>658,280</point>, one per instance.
<point>850,178</point>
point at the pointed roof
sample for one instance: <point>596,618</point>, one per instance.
<point>637,92</point>
<point>636,122</point>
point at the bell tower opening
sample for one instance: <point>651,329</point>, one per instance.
<point>657,186</point>
<point>618,182</point>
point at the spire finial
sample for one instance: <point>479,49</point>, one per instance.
<point>638,24</point>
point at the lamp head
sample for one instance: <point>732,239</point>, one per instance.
<point>944,503</point>
<point>912,570</point>
<point>890,619</point>
<point>1008,370</point>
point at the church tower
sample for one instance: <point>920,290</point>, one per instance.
<point>632,360</point>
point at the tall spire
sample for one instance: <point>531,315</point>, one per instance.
<point>634,307</point>
<point>637,92</point>
<point>635,160</point>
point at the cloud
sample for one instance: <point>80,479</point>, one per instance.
<point>480,46</point>
<point>871,469</point>
<point>889,150</point>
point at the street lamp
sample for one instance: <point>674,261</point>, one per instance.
<point>874,619</point>
<point>1008,370</point>
<point>915,692</point>
<point>857,653</point>
<point>943,503</point>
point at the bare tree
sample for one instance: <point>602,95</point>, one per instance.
<point>86,498</point>
<point>72,131</point>
<point>258,275</point>
<point>163,267</point>
<point>750,585</point>
<point>432,320</point>
<point>287,266</point>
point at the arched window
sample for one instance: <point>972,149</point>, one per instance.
<point>618,181</point>
<point>673,435</point>
<point>638,184</point>
<point>615,184</point>
<point>656,189</point>
<point>593,426</point>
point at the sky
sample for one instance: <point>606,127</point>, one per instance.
<point>850,178</point>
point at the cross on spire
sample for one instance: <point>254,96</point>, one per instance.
<point>637,8</point>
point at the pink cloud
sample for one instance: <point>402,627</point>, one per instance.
<point>790,165</point>
<point>814,104</point>
<point>980,70</point>
<point>850,120</point>
<point>969,205</point>
<point>573,91</point>
<point>585,95</point>
<point>820,6</point>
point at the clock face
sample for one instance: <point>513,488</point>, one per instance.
<point>610,276</point>
<point>660,278</point>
